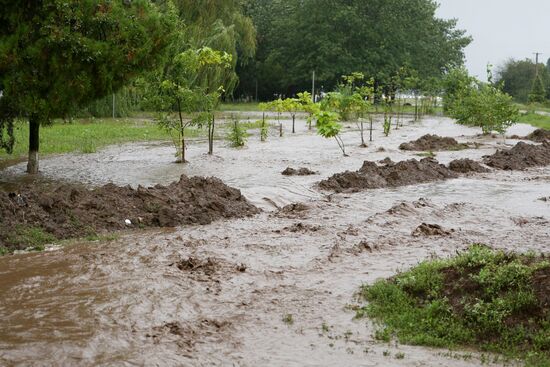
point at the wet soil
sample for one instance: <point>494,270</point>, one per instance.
<point>430,230</point>
<point>390,174</point>
<point>71,210</point>
<point>520,157</point>
<point>466,165</point>
<point>126,302</point>
<point>304,171</point>
<point>539,136</point>
<point>433,143</point>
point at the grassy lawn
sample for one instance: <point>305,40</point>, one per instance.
<point>533,107</point>
<point>481,299</point>
<point>88,135</point>
<point>536,120</point>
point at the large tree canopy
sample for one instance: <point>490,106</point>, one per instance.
<point>220,25</point>
<point>336,37</point>
<point>518,76</point>
<point>58,55</point>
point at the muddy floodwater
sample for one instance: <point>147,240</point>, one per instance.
<point>272,290</point>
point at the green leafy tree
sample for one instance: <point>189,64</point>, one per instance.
<point>457,83</point>
<point>328,126</point>
<point>310,107</point>
<point>183,86</point>
<point>292,106</point>
<point>518,78</point>
<point>336,37</point>
<point>59,55</point>
<point>277,106</point>
<point>538,92</point>
<point>237,135</point>
<point>220,25</point>
<point>485,106</point>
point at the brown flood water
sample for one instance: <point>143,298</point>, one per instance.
<point>136,302</point>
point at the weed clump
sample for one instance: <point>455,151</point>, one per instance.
<point>493,300</point>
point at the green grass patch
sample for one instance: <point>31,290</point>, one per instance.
<point>89,135</point>
<point>536,120</point>
<point>491,300</point>
<point>33,238</point>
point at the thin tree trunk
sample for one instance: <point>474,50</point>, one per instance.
<point>293,123</point>
<point>182,134</point>
<point>211,136</point>
<point>370,121</point>
<point>34,144</point>
<point>362,134</point>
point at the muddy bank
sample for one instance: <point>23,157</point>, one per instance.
<point>433,143</point>
<point>303,171</point>
<point>70,210</point>
<point>520,157</point>
<point>390,174</point>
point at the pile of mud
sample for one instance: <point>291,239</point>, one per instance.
<point>520,157</point>
<point>466,165</point>
<point>71,211</point>
<point>298,172</point>
<point>539,135</point>
<point>373,176</point>
<point>433,143</point>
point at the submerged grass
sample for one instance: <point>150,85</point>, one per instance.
<point>32,238</point>
<point>485,299</point>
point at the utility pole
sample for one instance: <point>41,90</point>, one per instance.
<point>313,87</point>
<point>537,62</point>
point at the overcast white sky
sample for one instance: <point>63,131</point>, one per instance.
<point>501,29</point>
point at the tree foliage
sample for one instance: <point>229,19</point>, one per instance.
<point>187,86</point>
<point>519,76</point>
<point>59,55</point>
<point>484,105</point>
<point>336,37</point>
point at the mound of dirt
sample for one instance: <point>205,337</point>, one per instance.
<point>433,143</point>
<point>70,211</point>
<point>373,176</point>
<point>539,135</point>
<point>293,211</point>
<point>466,166</point>
<point>298,172</point>
<point>520,157</point>
<point>430,230</point>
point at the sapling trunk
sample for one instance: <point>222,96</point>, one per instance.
<point>182,134</point>
<point>362,135</point>
<point>34,144</point>
<point>341,144</point>
<point>211,135</point>
<point>370,129</point>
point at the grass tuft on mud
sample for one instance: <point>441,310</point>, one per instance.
<point>492,300</point>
